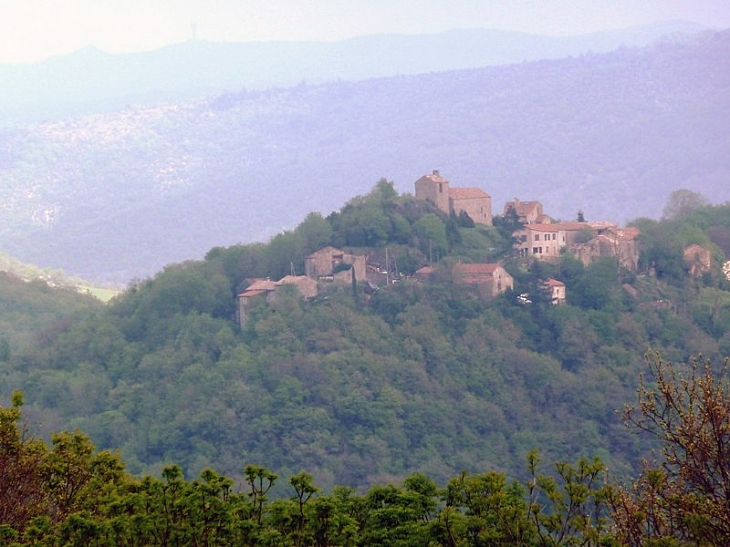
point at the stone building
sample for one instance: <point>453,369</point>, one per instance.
<point>259,289</point>
<point>473,201</point>
<point>619,243</point>
<point>556,289</point>
<point>331,264</point>
<point>527,212</point>
<point>698,260</point>
<point>306,286</point>
<point>587,241</point>
<point>265,289</point>
<point>488,279</point>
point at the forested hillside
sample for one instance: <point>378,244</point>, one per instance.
<point>69,493</point>
<point>359,388</point>
<point>119,195</point>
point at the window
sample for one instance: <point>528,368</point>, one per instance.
<point>537,237</point>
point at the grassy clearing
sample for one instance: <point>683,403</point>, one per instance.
<point>105,295</point>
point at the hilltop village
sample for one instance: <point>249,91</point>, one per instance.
<point>536,236</point>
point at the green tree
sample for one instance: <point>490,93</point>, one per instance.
<point>483,510</point>
<point>260,480</point>
<point>661,250</point>
<point>384,191</point>
<point>465,221</point>
<point>74,473</point>
<point>22,496</point>
<point>284,251</point>
<point>571,510</point>
<point>598,286</point>
<point>361,223</point>
<point>432,238</point>
<point>304,487</point>
<point>682,203</point>
<point>453,235</point>
<point>315,232</point>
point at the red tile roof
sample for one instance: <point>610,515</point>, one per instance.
<point>474,273</point>
<point>543,227</point>
<point>486,269</point>
<point>425,270</point>
<point>467,193</point>
<point>628,233</point>
<point>249,294</point>
<point>262,285</point>
<point>259,286</point>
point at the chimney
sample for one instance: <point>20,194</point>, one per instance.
<point>436,172</point>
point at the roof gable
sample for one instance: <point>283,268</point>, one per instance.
<point>522,208</point>
<point>433,177</point>
<point>262,285</point>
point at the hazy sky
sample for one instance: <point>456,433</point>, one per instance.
<point>32,30</point>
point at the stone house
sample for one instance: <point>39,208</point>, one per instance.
<point>425,274</point>
<point>698,260</point>
<point>528,212</point>
<point>331,264</point>
<point>541,241</point>
<point>473,201</point>
<point>488,279</point>
<point>266,289</point>
<point>557,290</point>
<point>306,286</point>
<point>257,290</point>
<point>619,243</point>
<point>587,241</point>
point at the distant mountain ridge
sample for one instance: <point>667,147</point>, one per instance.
<point>90,80</point>
<point>119,195</point>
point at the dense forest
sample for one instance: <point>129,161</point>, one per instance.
<point>415,414</point>
<point>102,196</point>
<point>358,386</point>
<point>70,494</point>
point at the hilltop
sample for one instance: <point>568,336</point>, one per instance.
<point>362,384</point>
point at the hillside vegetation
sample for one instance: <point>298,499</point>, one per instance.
<point>360,388</point>
<point>117,196</point>
<point>71,494</point>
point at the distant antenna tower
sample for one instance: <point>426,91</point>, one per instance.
<point>194,30</point>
